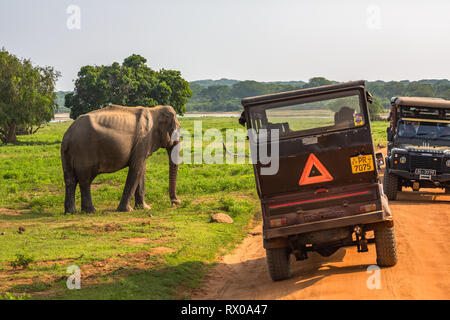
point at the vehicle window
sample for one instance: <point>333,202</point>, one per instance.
<point>419,111</point>
<point>424,112</point>
<point>309,117</point>
<point>424,129</point>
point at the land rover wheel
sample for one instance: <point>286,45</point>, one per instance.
<point>390,185</point>
<point>278,262</point>
<point>385,246</point>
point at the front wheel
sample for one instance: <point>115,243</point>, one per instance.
<point>390,185</point>
<point>278,262</point>
<point>386,246</point>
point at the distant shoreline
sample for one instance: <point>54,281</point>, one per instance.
<point>64,117</point>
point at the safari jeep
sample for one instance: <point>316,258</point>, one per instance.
<point>326,192</point>
<point>418,154</point>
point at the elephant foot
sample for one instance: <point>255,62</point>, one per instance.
<point>88,209</point>
<point>69,210</point>
<point>175,201</point>
<point>126,208</point>
<point>144,206</point>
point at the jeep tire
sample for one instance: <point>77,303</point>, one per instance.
<point>385,246</point>
<point>390,185</point>
<point>278,262</point>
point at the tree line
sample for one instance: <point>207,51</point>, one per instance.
<point>226,94</point>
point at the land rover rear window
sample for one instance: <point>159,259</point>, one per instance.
<point>431,113</point>
<point>310,115</point>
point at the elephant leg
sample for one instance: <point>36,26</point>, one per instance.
<point>85,180</point>
<point>71,185</point>
<point>139,195</point>
<point>134,174</point>
<point>86,198</point>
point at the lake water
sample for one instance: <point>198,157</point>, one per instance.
<point>219,115</point>
<point>63,117</point>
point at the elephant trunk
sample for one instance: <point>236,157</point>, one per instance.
<point>173,171</point>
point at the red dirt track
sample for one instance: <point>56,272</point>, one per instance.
<point>421,221</point>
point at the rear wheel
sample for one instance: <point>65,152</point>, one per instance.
<point>390,185</point>
<point>385,246</point>
<point>278,262</point>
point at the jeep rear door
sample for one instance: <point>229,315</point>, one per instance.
<point>326,155</point>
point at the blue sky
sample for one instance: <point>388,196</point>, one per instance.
<point>248,39</point>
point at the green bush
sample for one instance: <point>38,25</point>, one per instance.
<point>21,261</point>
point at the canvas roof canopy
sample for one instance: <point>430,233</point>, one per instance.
<point>422,102</point>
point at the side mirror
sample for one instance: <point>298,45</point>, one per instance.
<point>369,97</point>
<point>379,158</point>
<point>242,120</point>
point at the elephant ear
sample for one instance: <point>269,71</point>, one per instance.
<point>169,122</point>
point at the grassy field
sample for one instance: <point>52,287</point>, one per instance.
<point>120,255</point>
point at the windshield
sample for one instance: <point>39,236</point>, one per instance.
<point>311,115</point>
<point>424,129</point>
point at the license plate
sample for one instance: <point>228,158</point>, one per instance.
<point>426,172</point>
<point>363,163</point>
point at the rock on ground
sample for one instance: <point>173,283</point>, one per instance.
<point>221,218</point>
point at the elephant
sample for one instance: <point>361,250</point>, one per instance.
<point>110,139</point>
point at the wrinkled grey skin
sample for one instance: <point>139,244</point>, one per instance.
<point>110,139</point>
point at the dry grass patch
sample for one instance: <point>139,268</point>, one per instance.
<point>10,212</point>
<point>203,200</point>
<point>136,241</point>
<point>162,250</point>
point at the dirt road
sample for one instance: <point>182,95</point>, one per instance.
<point>422,231</point>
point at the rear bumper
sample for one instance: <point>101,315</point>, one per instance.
<point>444,177</point>
<point>364,218</point>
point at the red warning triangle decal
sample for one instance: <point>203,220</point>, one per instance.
<point>324,174</point>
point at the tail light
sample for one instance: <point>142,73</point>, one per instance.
<point>368,207</point>
<point>278,222</point>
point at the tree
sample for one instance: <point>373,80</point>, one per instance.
<point>248,88</point>
<point>131,84</point>
<point>375,108</point>
<point>446,94</point>
<point>416,89</point>
<point>317,81</point>
<point>394,89</point>
<point>180,90</point>
<point>27,95</point>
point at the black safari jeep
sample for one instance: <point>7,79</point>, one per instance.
<point>326,192</point>
<point>418,154</point>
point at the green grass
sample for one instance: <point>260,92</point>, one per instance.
<point>379,132</point>
<point>175,248</point>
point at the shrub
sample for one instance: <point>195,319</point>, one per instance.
<point>21,261</point>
